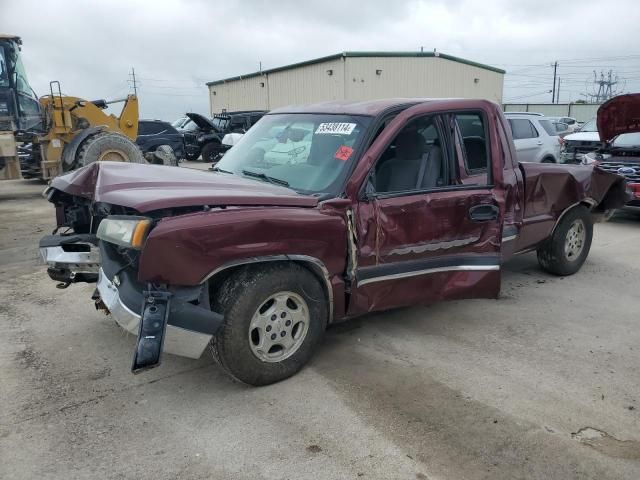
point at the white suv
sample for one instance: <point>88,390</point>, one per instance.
<point>535,138</point>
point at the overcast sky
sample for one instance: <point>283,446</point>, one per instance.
<point>177,46</point>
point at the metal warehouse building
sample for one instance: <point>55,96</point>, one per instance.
<point>358,76</point>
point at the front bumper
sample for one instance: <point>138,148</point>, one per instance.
<point>71,259</point>
<point>82,258</point>
<point>177,340</point>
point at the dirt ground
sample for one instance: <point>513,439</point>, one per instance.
<point>542,383</point>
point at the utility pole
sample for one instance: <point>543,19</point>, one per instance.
<point>133,76</point>
<point>558,92</point>
<point>553,93</point>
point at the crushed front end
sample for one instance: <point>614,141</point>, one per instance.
<point>101,243</point>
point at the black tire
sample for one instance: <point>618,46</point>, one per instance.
<point>240,297</point>
<point>164,155</point>
<point>107,146</point>
<point>552,256</point>
<point>548,160</point>
<point>210,152</point>
<point>191,156</point>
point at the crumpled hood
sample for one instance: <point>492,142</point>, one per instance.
<point>202,122</point>
<point>619,115</point>
<point>153,187</point>
<point>582,137</point>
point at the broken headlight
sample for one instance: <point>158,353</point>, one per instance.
<point>127,231</point>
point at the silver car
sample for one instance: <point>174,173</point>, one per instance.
<point>536,138</point>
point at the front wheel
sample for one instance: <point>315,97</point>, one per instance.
<point>274,318</point>
<point>568,247</point>
<point>210,152</point>
<point>191,156</point>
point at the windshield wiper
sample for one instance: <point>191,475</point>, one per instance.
<point>266,177</point>
<point>218,169</point>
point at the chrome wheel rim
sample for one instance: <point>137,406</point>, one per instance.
<point>574,241</point>
<point>279,326</point>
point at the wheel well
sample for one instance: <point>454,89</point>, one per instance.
<point>314,266</point>
<point>616,195</point>
<point>585,202</point>
<point>549,158</point>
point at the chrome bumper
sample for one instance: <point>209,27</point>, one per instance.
<point>177,341</point>
<point>75,262</point>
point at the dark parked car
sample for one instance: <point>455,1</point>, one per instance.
<point>207,139</point>
<point>154,133</point>
<point>320,214</point>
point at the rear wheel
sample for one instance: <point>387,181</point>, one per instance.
<point>548,160</point>
<point>108,146</point>
<point>274,318</point>
<point>568,247</point>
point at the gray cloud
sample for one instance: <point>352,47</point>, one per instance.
<point>90,46</point>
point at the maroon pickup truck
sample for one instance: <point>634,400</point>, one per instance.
<point>320,213</point>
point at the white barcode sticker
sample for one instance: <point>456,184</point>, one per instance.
<point>336,128</point>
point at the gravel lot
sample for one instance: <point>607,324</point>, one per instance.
<point>542,383</point>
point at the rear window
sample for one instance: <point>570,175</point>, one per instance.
<point>522,128</point>
<point>474,143</point>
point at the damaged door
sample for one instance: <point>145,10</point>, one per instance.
<point>423,236</point>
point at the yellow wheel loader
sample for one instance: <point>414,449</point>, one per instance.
<point>64,132</point>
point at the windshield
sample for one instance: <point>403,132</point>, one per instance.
<point>590,126</point>
<point>627,140</point>
<point>220,122</point>
<point>4,70</point>
<point>179,123</point>
<point>190,126</point>
<point>309,152</point>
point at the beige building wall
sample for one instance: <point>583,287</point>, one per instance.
<point>308,84</point>
<point>358,78</point>
<point>419,77</point>
<point>246,94</point>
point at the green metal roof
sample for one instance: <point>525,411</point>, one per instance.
<point>357,54</point>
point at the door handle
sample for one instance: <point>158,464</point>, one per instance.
<point>539,143</point>
<point>484,212</point>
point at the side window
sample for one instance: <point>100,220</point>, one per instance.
<point>151,128</point>
<point>168,128</point>
<point>414,160</point>
<point>552,128</point>
<point>254,119</point>
<point>237,125</point>
<point>474,142</point>
<point>522,128</point>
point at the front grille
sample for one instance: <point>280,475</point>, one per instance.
<point>614,167</point>
<point>581,146</point>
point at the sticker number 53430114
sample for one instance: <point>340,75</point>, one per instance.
<point>336,128</point>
